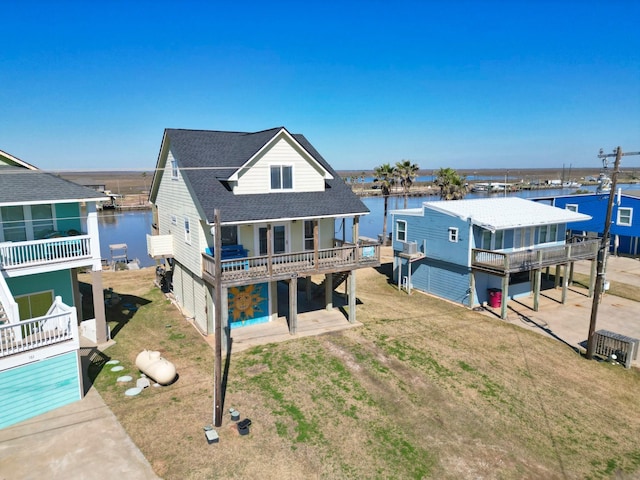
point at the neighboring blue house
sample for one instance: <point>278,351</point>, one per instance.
<point>48,233</point>
<point>625,226</point>
<point>477,251</point>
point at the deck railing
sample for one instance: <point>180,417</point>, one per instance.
<point>58,326</point>
<point>524,260</point>
<point>286,265</point>
<point>39,252</point>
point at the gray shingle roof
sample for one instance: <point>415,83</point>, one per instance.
<point>19,185</point>
<point>222,153</point>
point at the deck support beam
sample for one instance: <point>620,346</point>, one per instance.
<point>505,294</point>
<point>328,291</point>
<point>565,283</point>
<point>98,306</point>
<point>352,296</point>
<point>293,306</point>
<point>537,283</point>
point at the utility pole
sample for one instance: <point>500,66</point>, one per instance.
<point>604,247</point>
<point>217,367</point>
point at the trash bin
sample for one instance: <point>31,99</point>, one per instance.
<point>495,297</point>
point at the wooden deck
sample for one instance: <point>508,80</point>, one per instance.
<point>269,268</point>
<point>536,258</point>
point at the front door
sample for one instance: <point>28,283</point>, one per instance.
<point>279,240</point>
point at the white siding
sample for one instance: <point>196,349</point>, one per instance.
<point>327,229</point>
<point>174,199</point>
<point>257,179</point>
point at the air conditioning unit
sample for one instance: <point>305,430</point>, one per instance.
<point>410,248</point>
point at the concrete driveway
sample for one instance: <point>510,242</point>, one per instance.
<point>569,323</point>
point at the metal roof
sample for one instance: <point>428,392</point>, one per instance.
<point>505,212</point>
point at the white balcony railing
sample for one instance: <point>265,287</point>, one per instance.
<point>41,252</point>
<point>59,325</point>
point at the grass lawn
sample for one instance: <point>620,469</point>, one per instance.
<point>424,389</point>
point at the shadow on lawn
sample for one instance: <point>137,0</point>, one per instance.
<point>119,308</point>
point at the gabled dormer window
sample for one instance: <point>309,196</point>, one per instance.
<point>281,177</point>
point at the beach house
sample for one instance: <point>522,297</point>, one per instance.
<point>484,251</point>
<point>239,216</point>
<point>49,232</point>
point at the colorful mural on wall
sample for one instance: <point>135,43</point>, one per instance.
<point>248,305</point>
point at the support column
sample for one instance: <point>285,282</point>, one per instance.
<point>328,291</point>
<point>77,297</point>
<point>565,283</point>
<point>537,279</point>
<point>505,294</point>
<point>293,306</point>
<point>98,306</point>
<point>352,296</point>
<point>571,273</point>
<point>472,288</point>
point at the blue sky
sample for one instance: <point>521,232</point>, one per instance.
<point>462,84</point>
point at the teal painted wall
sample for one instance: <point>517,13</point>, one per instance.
<point>59,281</point>
<point>38,387</point>
<point>68,217</point>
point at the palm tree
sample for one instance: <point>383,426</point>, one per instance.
<point>406,173</point>
<point>452,186</point>
<point>385,178</point>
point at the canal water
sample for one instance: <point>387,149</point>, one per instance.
<point>132,227</point>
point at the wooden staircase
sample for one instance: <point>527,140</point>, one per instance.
<point>337,279</point>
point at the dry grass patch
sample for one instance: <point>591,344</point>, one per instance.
<point>424,389</point>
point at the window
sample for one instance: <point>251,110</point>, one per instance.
<point>401,230</point>
<point>572,207</point>
<point>174,169</point>
<point>547,233</point>
<point>453,234</point>
<point>281,177</point>
<point>187,230</point>
<point>229,235</point>
<point>486,239</point>
<point>308,234</point>
<point>492,241</point>
<point>42,216</point>
<point>13,225</point>
<point>625,215</point>
<point>498,237</point>
<point>542,237</point>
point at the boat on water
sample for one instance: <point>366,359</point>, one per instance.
<point>604,183</point>
<point>571,184</point>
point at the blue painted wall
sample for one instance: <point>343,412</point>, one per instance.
<point>596,206</point>
<point>59,281</point>
<point>446,271</point>
<point>431,232</point>
<point>68,217</point>
<point>38,387</point>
